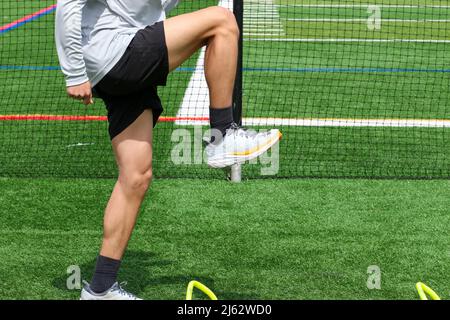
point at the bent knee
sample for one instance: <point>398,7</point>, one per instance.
<point>137,183</point>
<point>226,23</point>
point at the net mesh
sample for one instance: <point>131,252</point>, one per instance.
<point>358,90</point>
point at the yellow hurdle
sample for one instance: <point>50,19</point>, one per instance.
<point>201,287</point>
<point>425,291</point>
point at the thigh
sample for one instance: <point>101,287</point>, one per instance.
<point>133,146</point>
<point>187,33</point>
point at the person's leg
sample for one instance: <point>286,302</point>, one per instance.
<point>216,28</point>
<point>133,151</point>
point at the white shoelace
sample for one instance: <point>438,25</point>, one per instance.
<point>123,292</point>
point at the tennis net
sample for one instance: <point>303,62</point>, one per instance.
<point>358,88</point>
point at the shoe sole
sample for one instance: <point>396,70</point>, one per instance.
<point>241,157</point>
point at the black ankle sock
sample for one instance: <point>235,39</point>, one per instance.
<point>221,119</point>
<point>105,274</point>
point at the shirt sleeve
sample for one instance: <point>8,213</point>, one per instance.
<point>68,41</point>
<point>169,5</point>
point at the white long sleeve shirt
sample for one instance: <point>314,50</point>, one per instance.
<point>92,35</point>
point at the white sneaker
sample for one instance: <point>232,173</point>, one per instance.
<point>240,145</point>
<point>116,292</point>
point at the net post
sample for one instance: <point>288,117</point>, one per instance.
<point>236,173</point>
<point>238,9</point>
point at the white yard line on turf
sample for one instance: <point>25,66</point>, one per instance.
<point>266,20</point>
<point>334,122</point>
<point>345,40</point>
<point>363,20</point>
<point>361,6</point>
<point>260,29</point>
<point>196,97</point>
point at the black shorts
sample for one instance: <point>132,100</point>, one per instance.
<point>131,85</point>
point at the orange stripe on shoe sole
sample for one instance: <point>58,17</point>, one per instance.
<point>258,148</point>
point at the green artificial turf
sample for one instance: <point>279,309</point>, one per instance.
<point>267,239</point>
<point>282,79</point>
